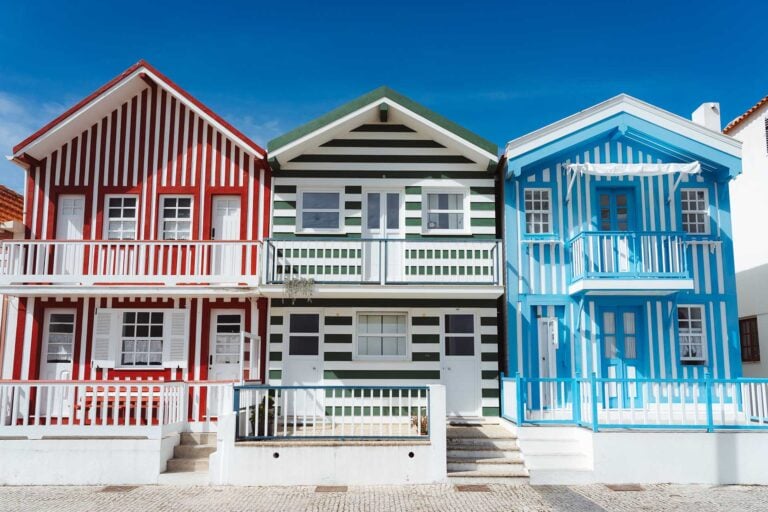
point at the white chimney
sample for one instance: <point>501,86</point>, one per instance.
<point>708,115</point>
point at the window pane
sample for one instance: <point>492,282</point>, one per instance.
<point>322,220</point>
<point>305,323</point>
<point>459,346</point>
<point>459,324</point>
<point>393,211</point>
<point>374,211</point>
<point>303,345</point>
<point>321,200</point>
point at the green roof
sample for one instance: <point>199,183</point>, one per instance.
<point>376,94</point>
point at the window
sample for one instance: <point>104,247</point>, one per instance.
<point>445,211</point>
<point>61,335</point>
<point>750,342</point>
<point>142,338</point>
<point>304,335</point>
<point>694,206</point>
<point>320,211</point>
<point>381,335</point>
<point>690,326</point>
<point>538,211</point>
<point>176,218</point>
<point>459,335</point>
<point>121,217</point>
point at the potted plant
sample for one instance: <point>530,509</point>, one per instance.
<point>423,426</point>
<point>266,407</point>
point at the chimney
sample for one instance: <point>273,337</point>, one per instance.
<point>708,115</point>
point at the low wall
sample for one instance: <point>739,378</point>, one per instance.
<point>84,461</point>
<point>333,463</point>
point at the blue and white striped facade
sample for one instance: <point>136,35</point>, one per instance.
<point>539,267</point>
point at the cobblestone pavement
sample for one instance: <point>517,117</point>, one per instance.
<point>441,498</point>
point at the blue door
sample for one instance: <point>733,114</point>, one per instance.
<point>622,354</point>
<point>615,210</point>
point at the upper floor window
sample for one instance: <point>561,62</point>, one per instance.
<point>381,335</point>
<point>694,207</point>
<point>176,218</point>
<point>142,338</point>
<point>319,211</point>
<point>538,211</point>
<point>445,211</point>
<point>690,326</point>
<point>750,342</point>
<point>121,217</point>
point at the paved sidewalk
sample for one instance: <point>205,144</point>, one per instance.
<point>443,498</point>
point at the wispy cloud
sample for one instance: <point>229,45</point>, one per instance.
<point>259,130</point>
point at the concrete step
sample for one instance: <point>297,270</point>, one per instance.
<point>471,421</point>
<point>518,472</point>
<point>561,477</point>
<point>482,444</point>
<point>485,432</point>
<point>193,451</point>
<point>547,446</point>
<point>195,438</point>
<point>187,465</point>
<point>486,479</point>
<point>559,461</point>
<point>490,466</point>
<point>185,479</point>
<point>473,453</point>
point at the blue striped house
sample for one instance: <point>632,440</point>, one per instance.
<point>619,258</point>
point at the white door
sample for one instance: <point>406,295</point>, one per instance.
<point>461,365</point>
<point>58,346</point>
<point>302,366</point>
<point>548,343</point>
<point>225,353</point>
<point>225,225</point>
<point>68,259</point>
<point>383,224</point>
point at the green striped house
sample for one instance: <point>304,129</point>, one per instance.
<point>384,264</point>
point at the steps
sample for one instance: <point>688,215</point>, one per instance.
<point>482,451</point>
<point>557,455</point>
<point>189,464</point>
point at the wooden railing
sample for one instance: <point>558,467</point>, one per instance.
<point>332,412</point>
<point>125,262</point>
<point>628,255</point>
<point>391,261</point>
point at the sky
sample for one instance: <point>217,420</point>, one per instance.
<point>499,68</point>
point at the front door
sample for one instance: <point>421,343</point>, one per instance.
<point>621,353</point>
<point>383,225</point>
<point>616,215</point>
<point>70,213</point>
<point>548,344</point>
<point>461,365</point>
<point>225,353</point>
<point>58,347</point>
<point>303,366</point>
<point>225,225</point>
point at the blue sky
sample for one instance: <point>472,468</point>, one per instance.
<point>501,68</point>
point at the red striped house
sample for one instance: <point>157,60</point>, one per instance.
<point>144,212</point>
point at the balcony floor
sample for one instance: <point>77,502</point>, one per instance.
<point>420,291</point>
<point>640,286</point>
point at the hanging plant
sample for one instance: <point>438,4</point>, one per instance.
<point>296,287</point>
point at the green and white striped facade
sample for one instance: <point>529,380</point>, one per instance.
<point>385,147</point>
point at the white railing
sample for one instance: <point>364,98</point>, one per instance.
<point>331,412</point>
<point>208,400</point>
<point>391,261</point>
<point>144,262</point>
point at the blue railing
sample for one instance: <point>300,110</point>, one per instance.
<point>628,255</point>
<point>331,412</point>
<point>610,403</point>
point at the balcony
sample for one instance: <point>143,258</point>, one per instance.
<point>93,267</point>
<point>401,266</point>
<point>628,262</point>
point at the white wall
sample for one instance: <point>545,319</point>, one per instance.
<point>748,202</point>
<point>349,463</point>
<point>752,289</point>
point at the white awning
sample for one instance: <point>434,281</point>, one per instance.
<point>635,169</point>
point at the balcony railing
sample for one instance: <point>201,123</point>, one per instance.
<point>125,262</point>
<point>628,255</point>
<point>375,261</point>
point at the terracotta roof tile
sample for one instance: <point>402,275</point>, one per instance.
<point>733,124</point>
<point>11,204</point>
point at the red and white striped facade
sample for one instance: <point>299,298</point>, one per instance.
<point>139,135</point>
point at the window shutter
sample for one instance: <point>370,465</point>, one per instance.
<point>176,339</point>
<point>103,353</point>
<point>766,134</point>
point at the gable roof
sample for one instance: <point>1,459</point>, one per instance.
<point>617,113</point>
<point>303,132</point>
<point>743,117</point>
<point>138,75</point>
<point>11,204</point>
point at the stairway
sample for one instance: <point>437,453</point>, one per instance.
<point>189,465</point>
<point>557,455</point>
<point>482,451</point>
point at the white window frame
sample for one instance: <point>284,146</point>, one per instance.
<point>707,215</point>
<point>106,218</point>
<point>288,333</point>
<point>464,192</point>
<point>164,340</point>
<point>162,219</point>
<point>366,357</point>
<point>548,212</point>
<point>47,333</point>
<point>703,335</point>
<point>300,210</point>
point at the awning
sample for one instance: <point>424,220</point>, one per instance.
<point>635,169</point>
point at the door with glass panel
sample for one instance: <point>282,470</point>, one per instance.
<point>622,354</point>
<point>616,215</point>
<point>303,367</point>
<point>461,365</point>
<point>225,353</point>
<point>58,349</point>
<point>383,227</point>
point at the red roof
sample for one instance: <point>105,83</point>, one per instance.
<point>141,64</point>
<point>733,124</point>
<point>11,204</point>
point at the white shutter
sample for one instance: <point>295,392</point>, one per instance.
<point>103,350</point>
<point>176,338</point>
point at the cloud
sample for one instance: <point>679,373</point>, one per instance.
<point>260,131</point>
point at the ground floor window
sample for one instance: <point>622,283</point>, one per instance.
<point>381,334</point>
<point>459,335</point>
<point>750,342</point>
<point>142,339</point>
<point>304,335</point>
<point>690,326</point>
